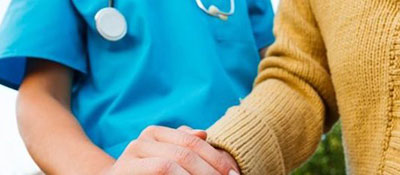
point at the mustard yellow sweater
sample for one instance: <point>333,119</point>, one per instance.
<point>330,57</point>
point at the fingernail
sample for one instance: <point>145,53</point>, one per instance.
<point>233,172</point>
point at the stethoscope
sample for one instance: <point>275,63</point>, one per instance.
<point>112,25</point>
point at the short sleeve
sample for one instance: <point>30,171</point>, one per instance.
<point>44,29</point>
<point>262,19</point>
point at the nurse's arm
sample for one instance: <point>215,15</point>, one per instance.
<point>58,144</point>
<point>52,136</point>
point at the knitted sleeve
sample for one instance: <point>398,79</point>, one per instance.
<point>279,124</point>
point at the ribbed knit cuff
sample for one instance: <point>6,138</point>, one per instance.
<point>273,130</point>
<point>255,147</point>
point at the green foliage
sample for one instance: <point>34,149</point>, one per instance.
<point>329,157</point>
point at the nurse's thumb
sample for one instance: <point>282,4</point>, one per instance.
<point>199,133</point>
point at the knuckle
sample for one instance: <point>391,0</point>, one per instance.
<point>191,141</point>
<point>185,156</point>
<point>134,145</point>
<point>165,167</point>
<point>149,130</point>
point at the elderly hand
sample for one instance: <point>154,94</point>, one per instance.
<point>161,150</point>
<point>203,135</point>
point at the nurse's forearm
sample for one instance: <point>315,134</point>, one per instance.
<point>59,145</point>
<point>53,137</point>
<point>55,140</point>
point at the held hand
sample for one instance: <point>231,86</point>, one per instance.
<point>203,135</point>
<point>161,150</point>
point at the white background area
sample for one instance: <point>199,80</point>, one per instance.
<point>14,159</point>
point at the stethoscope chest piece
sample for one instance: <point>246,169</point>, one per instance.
<point>111,24</point>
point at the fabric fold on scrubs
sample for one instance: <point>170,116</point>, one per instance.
<point>260,12</point>
<point>44,29</point>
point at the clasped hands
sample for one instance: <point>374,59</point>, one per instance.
<point>183,151</point>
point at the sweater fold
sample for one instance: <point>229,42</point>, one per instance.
<point>279,125</point>
<point>327,54</point>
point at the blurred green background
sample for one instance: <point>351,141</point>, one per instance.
<point>329,157</point>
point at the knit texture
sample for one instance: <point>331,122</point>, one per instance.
<point>327,53</point>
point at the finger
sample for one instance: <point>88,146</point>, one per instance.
<point>155,166</point>
<point>199,133</point>
<point>186,158</point>
<point>201,147</point>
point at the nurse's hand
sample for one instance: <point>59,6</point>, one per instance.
<point>192,146</point>
<point>161,150</point>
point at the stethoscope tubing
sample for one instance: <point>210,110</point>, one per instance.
<point>104,17</point>
<point>201,5</point>
<point>231,12</point>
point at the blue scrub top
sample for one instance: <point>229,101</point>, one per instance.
<point>176,66</point>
